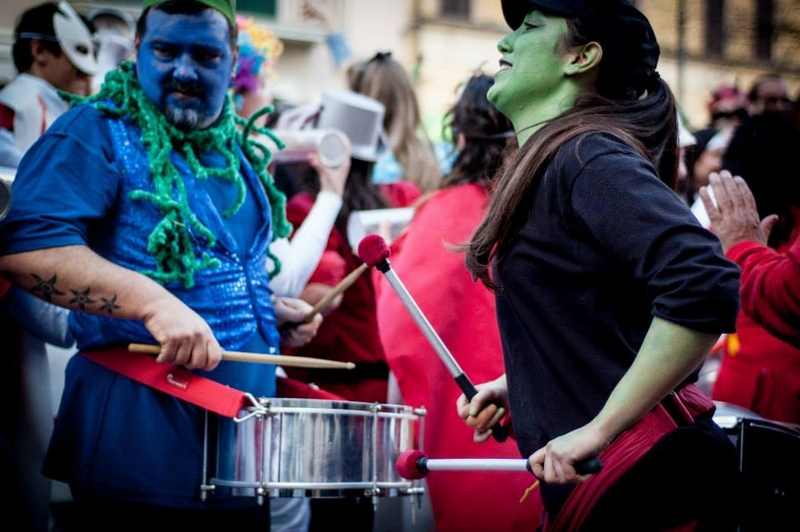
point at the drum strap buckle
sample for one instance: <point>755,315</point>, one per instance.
<point>173,380</point>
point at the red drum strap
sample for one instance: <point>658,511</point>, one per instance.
<point>679,408</point>
<point>173,380</point>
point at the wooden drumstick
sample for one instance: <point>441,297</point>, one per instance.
<point>328,298</point>
<point>343,285</point>
<point>238,356</point>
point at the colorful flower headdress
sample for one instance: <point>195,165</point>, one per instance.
<point>259,49</point>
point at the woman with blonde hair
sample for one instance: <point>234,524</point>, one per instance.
<point>411,154</point>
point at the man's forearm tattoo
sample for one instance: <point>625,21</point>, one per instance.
<point>46,288</point>
<point>109,305</point>
<point>81,299</point>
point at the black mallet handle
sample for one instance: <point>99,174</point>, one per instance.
<point>499,432</point>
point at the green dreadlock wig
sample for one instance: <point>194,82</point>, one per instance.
<point>170,242</point>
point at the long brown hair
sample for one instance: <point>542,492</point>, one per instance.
<point>646,122</point>
<point>385,79</point>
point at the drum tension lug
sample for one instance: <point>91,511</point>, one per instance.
<point>205,489</point>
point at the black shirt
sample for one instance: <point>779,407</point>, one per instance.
<point>607,246</point>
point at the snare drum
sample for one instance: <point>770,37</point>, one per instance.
<point>290,447</point>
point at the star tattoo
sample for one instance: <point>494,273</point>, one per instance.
<point>109,305</point>
<point>47,288</point>
<point>81,299</point>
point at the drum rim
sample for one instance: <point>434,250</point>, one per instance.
<point>730,415</point>
<point>329,404</point>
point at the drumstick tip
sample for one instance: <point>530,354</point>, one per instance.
<point>411,464</point>
<point>373,250</point>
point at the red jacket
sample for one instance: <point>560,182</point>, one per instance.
<point>759,370</point>
<point>771,287</point>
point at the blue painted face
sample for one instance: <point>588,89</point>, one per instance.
<point>184,65</point>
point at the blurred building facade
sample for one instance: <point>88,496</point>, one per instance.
<point>704,43</point>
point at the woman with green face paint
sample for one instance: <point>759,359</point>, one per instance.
<point>609,293</point>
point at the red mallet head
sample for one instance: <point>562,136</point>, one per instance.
<point>411,465</point>
<point>373,250</point>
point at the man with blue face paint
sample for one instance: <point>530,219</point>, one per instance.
<point>145,211</point>
<point>185,67</point>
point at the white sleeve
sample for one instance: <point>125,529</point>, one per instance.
<point>300,255</point>
<point>10,155</point>
<point>44,320</point>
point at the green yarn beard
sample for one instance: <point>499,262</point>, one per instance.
<point>170,242</point>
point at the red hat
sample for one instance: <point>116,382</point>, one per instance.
<point>726,98</point>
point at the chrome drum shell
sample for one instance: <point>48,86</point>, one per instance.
<point>289,447</point>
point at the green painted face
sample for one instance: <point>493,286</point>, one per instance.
<point>531,85</point>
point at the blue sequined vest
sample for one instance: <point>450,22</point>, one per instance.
<point>233,298</point>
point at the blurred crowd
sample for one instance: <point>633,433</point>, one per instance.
<point>431,196</point>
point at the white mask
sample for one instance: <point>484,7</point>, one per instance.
<point>75,39</point>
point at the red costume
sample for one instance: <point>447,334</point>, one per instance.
<point>5,286</point>
<point>350,332</point>
<point>759,371</point>
<point>463,314</point>
<point>771,287</point>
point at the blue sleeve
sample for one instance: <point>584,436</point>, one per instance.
<point>340,49</point>
<point>66,182</point>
